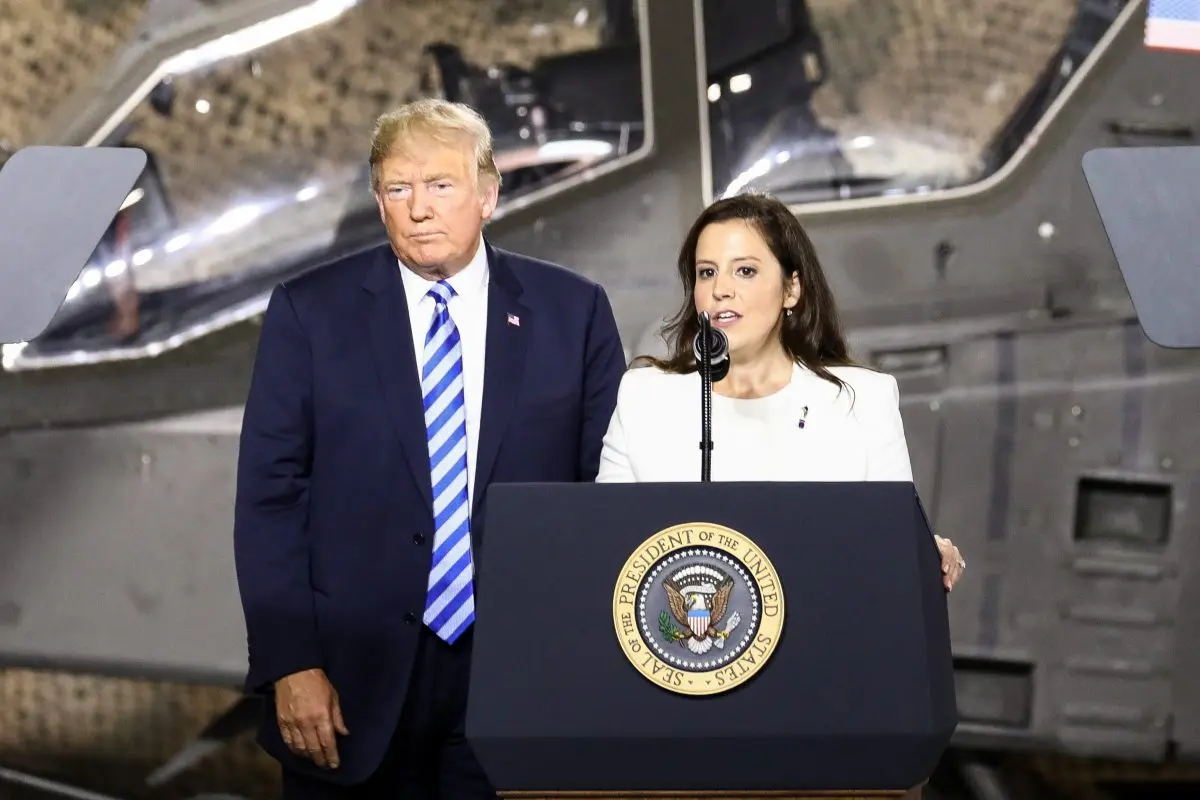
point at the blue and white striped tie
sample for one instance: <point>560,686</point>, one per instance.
<point>450,603</point>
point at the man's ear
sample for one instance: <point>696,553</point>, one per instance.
<point>489,196</point>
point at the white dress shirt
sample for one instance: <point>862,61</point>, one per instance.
<point>468,309</point>
<point>654,435</point>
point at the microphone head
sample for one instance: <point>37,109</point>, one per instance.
<point>720,354</point>
<point>718,344</point>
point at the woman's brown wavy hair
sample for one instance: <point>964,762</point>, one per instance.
<point>812,335</point>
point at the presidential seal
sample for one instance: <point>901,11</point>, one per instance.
<point>698,609</point>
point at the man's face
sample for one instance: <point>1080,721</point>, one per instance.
<point>433,208</point>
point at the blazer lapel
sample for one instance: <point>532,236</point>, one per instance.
<point>507,327</point>
<point>392,348</point>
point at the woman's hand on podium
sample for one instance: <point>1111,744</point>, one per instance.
<point>952,562</point>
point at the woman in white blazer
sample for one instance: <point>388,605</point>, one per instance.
<point>794,406</point>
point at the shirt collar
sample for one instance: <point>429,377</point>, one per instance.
<point>468,282</point>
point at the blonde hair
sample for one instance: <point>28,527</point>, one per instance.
<point>430,118</point>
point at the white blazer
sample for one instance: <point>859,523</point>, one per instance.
<point>654,434</point>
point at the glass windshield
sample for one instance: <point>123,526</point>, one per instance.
<point>831,100</point>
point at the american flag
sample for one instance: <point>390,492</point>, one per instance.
<point>1173,25</point>
<point>513,319</point>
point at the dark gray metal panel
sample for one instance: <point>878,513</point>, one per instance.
<point>211,373</point>
<point>1013,447</point>
<point>922,374</point>
<point>922,429</point>
<point>117,553</point>
<point>1171,452</point>
<point>1186,661</point>
<point>968,430</point>
<point>1098,620</point>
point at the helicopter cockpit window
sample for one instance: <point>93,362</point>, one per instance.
<point>258,151</point>
<point>827,100</point>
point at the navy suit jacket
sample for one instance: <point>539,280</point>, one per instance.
<point>333,526</point>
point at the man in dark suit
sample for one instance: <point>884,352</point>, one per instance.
<point>391,388</point>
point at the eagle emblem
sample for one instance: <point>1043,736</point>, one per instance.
<point>698,597</point>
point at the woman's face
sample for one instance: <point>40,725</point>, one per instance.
<point>740,284</point>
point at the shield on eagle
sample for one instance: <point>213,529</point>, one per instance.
<point>698,596</point>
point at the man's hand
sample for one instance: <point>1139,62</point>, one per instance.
<point>307,709</point>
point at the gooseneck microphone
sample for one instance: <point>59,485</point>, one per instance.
<point>711,348</point>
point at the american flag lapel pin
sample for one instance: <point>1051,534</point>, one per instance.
<point>803,416</point>
<point>514,320</point>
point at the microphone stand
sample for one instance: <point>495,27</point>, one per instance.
<point>705,365</point>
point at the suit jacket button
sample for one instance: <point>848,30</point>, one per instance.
<point>410,618</point>
<point>418,538</point>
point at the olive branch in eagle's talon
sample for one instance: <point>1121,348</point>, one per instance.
<point>668,630</point>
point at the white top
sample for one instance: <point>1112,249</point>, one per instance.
<point>654,435</point>
<point>468,309</point>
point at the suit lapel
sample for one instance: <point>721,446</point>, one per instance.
<point>392,348</point>
<point>507,327</point>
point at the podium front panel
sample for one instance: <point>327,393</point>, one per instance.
<point>856,691</point>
